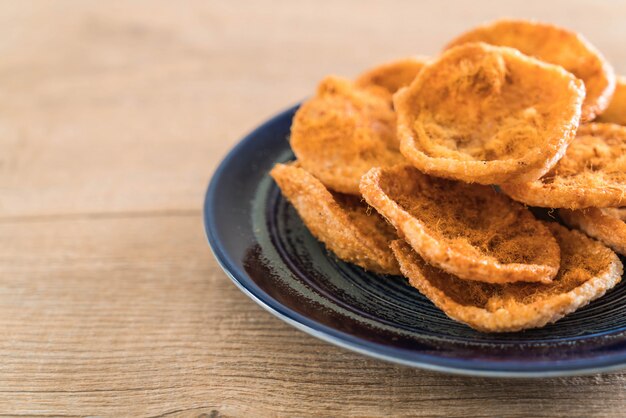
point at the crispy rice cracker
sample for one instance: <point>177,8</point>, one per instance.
<point>591,174</point>
<point>606,225</point>
<point>488,114</point>
<point>616,112</point>
<point>555,45</point>
<point>344,223</point>
<point>588,270</point>
<point>392,76</point>
<point>468,230</point>
<point>342,132</point>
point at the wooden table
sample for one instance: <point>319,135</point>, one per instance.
<point>113,115</point>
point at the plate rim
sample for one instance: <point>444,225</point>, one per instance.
<point>467,367</point>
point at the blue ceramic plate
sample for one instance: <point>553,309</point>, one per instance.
<point>260,242</point>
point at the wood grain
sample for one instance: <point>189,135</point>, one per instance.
<point>113,116</point>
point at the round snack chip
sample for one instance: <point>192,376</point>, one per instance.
<point>555,45</point>
<point>468,230</point>
<point>591,174</point>
<point>588,270</point>
<point>344,223</point>
<point>392,76</point>
<point>616,112</point>
<point>606,225</point>
<point>342,132</point>
<point>488,114</point>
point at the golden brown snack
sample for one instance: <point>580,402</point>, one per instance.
<point>342,132</point>
<point>488,114</point>
<point>616,112</point>
<point>555,45</point>
<point>344,223</point>
<point>606,225</point>
<point>619,213</point>
<point>591,174</point>
<point>588,270</point>
<point>468,230</point>
<point>392,76</point>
